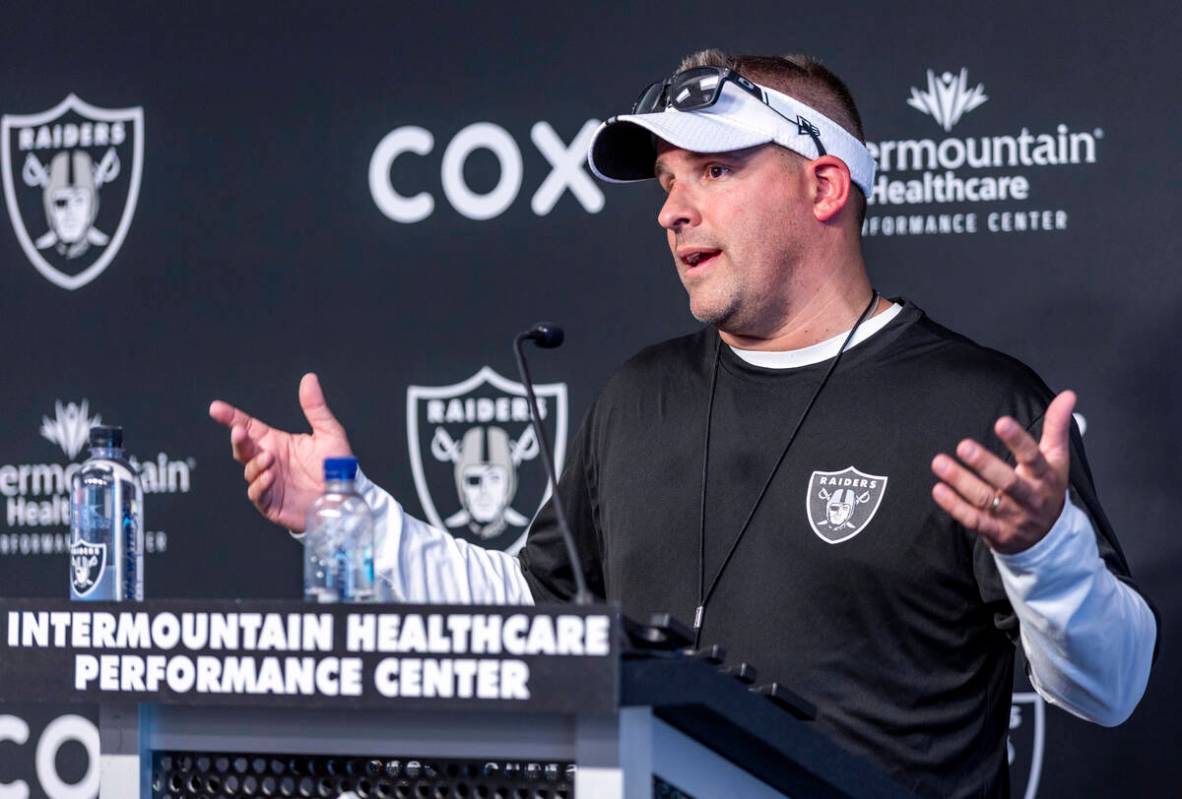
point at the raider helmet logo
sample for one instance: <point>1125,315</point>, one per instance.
<point>474,455</point>
<point>841,504</point>
<point>71,180</point>
<point>87,562</point>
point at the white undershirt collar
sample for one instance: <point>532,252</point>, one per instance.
<point>822,350</point>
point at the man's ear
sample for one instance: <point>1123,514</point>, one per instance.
<point>831,181</point>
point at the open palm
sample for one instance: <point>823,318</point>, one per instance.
<point>284,471</point>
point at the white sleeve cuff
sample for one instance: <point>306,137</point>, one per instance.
<point>1088,636</point>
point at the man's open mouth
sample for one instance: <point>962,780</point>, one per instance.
<point>693,258</point>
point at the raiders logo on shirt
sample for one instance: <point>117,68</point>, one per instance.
<point>841,504</point>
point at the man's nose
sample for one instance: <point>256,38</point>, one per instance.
<point>679,210</point>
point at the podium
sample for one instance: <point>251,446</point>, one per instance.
<point>230,699</point>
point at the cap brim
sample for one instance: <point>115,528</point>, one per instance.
<point>624,148</point>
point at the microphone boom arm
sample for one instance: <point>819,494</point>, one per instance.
<point>582,595</point>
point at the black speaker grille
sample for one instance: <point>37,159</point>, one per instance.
<point>214,775</point>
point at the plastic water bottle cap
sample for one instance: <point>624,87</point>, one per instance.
<point>109,436</point>
<point>340,468</point>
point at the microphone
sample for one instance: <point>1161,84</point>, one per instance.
<point>548,336</point>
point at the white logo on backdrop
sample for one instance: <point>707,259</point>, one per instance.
<point>947,97</point>
<point>468,443</point>
<point>567,172</point>
<point>962,185</point>
<point>70,426</point>
<point>68,159</point>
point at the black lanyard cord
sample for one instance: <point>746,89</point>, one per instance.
<point>704,593</point>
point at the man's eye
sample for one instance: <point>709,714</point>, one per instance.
<point>717,170</point>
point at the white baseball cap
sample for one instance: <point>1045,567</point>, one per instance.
<point>715,110</point>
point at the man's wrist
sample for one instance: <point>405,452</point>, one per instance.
<point>1048,546</point>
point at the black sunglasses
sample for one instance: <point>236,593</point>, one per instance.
<point>700,87</point>
<point>691,90</point>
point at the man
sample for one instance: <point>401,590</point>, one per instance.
<point>770,475</point>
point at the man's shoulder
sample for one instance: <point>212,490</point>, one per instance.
<point>950,358</point>
<point>674,359</point>
<point>658,379</point>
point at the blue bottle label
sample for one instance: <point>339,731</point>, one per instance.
<point>88,561</point>
<point>345,573</point>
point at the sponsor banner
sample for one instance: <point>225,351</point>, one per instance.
<point>295,654</point>
<point>985,181</point>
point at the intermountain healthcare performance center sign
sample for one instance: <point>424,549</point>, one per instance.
<point>233,653</point>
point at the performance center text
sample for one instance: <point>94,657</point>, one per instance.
<point>435,655</point>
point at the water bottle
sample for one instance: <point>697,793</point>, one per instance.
<point>106,523</point>
<point>338,539</point>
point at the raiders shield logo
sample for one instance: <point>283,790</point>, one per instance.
<point>1024,743</point>
<point>841,504</point>
<point>87,562</point>
<point>71,180</point>
<point>475,457</point>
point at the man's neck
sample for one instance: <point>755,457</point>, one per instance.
<point>821,351</point>
<point>824,316</point>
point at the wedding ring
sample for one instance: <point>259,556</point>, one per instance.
<point>996,503</point>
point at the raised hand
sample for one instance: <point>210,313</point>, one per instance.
<point>1012,508</point>
<point>284,472</point>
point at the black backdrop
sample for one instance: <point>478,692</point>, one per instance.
<point>256,251</point>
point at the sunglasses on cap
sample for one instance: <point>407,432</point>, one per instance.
<point>699,88</point>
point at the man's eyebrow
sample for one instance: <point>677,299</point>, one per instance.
<point>660,170</point>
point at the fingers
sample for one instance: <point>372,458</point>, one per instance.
<point>259,491</point>
<point>1021,444</point>
<point>1050,455</point>
<point>316,408</point>
<point>245,430</point>
<point>257,466</point>
<point>226,414</point>
<point>260,476</point>
<point>969,486</point>
<point>1028,496</point>
<point>242,446</point>
<point>1056,429</point>
<point>969,516</point>
<point>997,474</point>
